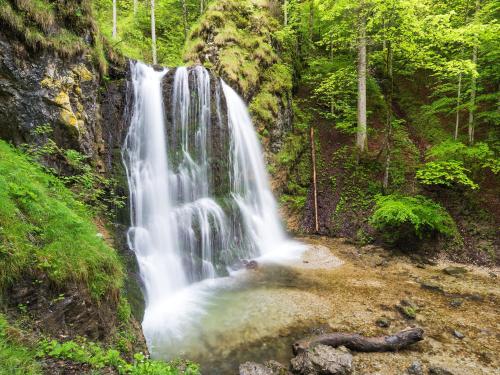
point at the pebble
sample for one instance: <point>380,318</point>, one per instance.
<point>415,369</point>
<point>458,334</point>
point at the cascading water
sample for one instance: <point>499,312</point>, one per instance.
<point>200,197</point>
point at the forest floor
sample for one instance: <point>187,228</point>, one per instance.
<point>374,284</point>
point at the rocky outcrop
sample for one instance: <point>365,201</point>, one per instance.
<point>237,40</point>
<point>323,360</point>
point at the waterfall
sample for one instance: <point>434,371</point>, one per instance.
<point>199,191</point>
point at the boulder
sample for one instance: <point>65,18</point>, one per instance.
<point>436,370</point>
<point>323,360</point>
<point>415,368</point>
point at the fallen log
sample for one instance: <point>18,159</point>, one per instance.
<point>360,343</point>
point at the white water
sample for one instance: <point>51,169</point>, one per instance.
<point>200,196</point>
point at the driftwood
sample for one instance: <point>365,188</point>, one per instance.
<point>360,343</point>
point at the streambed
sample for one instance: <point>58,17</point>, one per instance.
<point>257,315</point>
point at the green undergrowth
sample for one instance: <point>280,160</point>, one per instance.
<point>15,358</point>
<point>23,354</point>
<point>89,353</point>
<point>44,229</point>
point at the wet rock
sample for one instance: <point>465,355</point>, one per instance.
<point>415,368</point>
<point>383,323</point>
<point>455,271</point>
<point>252,368</point>
<point>458,334</point>
<point>323,360</point>
<point>456,302</point>
<point>277,368</point>
<point>436,370</point>
<point>429,285</point>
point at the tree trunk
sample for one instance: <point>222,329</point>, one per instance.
<point>153,31</point>
<point>315,185</point>
<point>473,86</point>
<point>185,18</point>
<point>114,19</point>
<point>135,7</point>
<point>311,20</point>
<point>459,99</point>
<point>363,344</point>
<point>285,12</point>
<point>472,98</point>
<point>388,142</point>
<point>202,6</point>
<point>361,138</point>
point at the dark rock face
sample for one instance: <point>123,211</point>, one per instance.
<point>63,313</point>
<point>43,89</point>
<point>323,360</point>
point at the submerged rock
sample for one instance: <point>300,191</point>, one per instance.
<point>252,368</point>
<point>268,368</point>
<point>323,360</point>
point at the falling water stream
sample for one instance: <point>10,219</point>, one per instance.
<point>200,202</point>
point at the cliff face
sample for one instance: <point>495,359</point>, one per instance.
<point>39,88</point>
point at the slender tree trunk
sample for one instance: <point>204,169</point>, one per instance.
<point>388,142</point>
<point>135,8</point>
<point>315,186</point>
<point>185,18</point>
<point>331,47</point>
<point>361,138</point>
<point>459,100</point>
<point>285,12</point>
<point>202,6</point>
<point>472,98</point>
<point>153,31</point>
<point>473,85</point>
<point>311,20</point>
<point>114,19</point>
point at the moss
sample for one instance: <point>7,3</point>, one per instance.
<point>44,229</point>
<point>58,27</point>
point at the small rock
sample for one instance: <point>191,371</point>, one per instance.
<point>458,334</point>
<point>476,297</point>
<point>429,285</point>
<point>383,323</point>
<point>455,271</point>
<point>493,274</point>
<point>252,368</point>
<point>420,265</point>
<point>323,360</point>
<point>435,370</point>
<point>415,369</point>
<point>456,302</point>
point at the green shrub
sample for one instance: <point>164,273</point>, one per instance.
<point>445,173</point>
<point>97,357</point>
<point>476,157</point>
<point>404,218</point>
